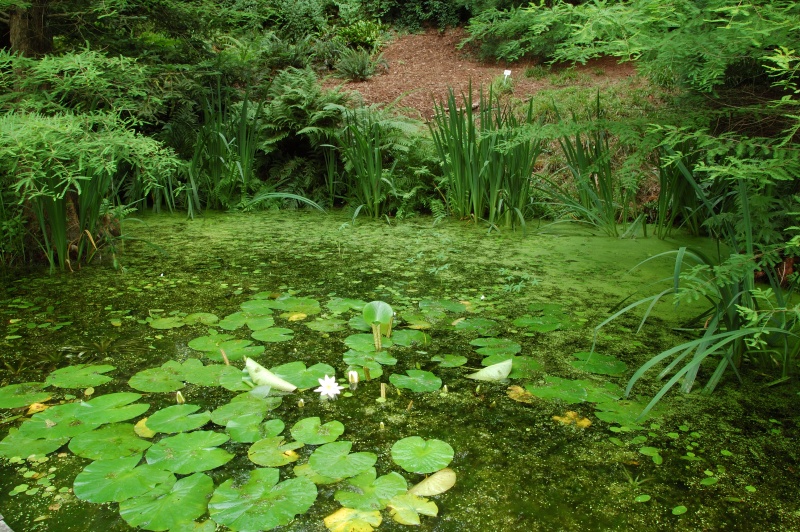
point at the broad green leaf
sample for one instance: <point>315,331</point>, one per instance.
<point>360,358</point>
<point>599,363</point>
<point>416,381</point>
<point>366,492</point>
<point>482,326</point>
<point>406,509</point>
<point>111,408</point>
<point>297,374</point>
<point>327,325</point>
<point>305,471</point>
<point>306,305</point>
<point>410,338</point>
<point>57,422</point>
<point>575,391</point>
<point>350,520</point>
<point>245,429</point>
<point>209,342</point>
<point>261,503</point>
<point>118,480</point>
<point>540,324</point>
<point>167,378</point>
<point>417,455</point>
<point>311,431</point>
<point>19,395</point>
<point>449,361</point>
<point>190,452</point>
<point>109,442</point>
<point>178,418</point>
<point>18,444</point>
<point>231,379</point>
<point>339,305</point>
<point>375,370</point>
<point>169,506</point>
<point>273,452</point>
<point>430,305</point>
<point>273,334</point>
<point>377,312</point>
<point>496,346</point>
<point>80,376</point>
<point>241,405</point>
<point>365,343</point>
<point>194,372</point>
<point>168,322</point>
<point>335,460</point>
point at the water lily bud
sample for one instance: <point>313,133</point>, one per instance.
<point>352,377</point>
<point>383,427</point>
<point>179,398</point>
<point>444,389</point>
<point>301,403</point>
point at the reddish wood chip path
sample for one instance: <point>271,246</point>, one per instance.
<point>423,67</point>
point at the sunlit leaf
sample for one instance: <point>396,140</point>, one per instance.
<point>599,363</point>
<point>416,380</point>
<point>406,509</point>
<point>311,431</point>
<point>19,395</point>
<point>366,491</point>
<point>109,442</point>
<point>335,460</point>
<point>79,376</point>
<point>190,452</point>
<point>118,480</point>
<point>438,483</point>
<point>169,506</point>
<point>17,443</point>
<point>111,408</point>
<point>273,452</point>
<point>417,455</point>
<point>350,520</point>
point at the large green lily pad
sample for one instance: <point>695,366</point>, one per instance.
<point>351,520</point>
<point>203,318</point>
<point>435,305</point>
<point>273,334</point>
<point>449,361</point>
<point>24,394</point>
<point>302,377</point>
<point>194,372</point>
<point>79,376</point>
<point>111,408</point>
<point>178,418</point>
<point>214,344</point>
<point>335,460</point>
<point>496,346</point>
<point>167,378</point>
<point>109,442</point>
<point>57,422</point>
<point>305,305</point>
<point>261,503</point>
<point>311,431</point>
<point>522,367</point>
<point>483,326</point>
<point>375,370</point>
<point>17,443</point>
<point>166,322</point>
<point>575,391</point>
<point>118,480</point>
<point>327,325</point>
<point>417,455</point>
<point>365,343</point>
<point>410,338</point>
<point>190,452</point>
<point>273,452</point>
<point>306,471</point>
<point>416,380</point>
<point>249,429</point>
<point>599,363</point>
<point>361,358</point>
<point>244,404</point>
<point>340,305</point>
<point>369,492</point>
<point>170,505</point>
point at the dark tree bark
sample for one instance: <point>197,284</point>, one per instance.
<point>28,30</point>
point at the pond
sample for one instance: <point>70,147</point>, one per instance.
<point>549,448</point>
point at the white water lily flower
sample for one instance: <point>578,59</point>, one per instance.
<point>328,387</point>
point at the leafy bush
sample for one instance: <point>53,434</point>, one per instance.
<point>297,19</point>
<point>364,34</point>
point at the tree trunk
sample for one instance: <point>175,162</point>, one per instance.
<point>28,29</point>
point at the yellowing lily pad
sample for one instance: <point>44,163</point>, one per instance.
<point>571,417</point>
<point>273,452</point>
<point>406,509</point>
<point>438,483</point>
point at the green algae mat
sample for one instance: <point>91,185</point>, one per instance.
<point>296,371</point>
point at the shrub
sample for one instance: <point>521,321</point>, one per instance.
<point>358,64</point>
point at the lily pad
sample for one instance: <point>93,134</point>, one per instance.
<point>416,381</point>
<point>111,408</point>
<point>340,305</point>
<point>261,503</point>
<point>190,452</point>
<point>360,358</point>
<point>496,346</point>
<point>433,305</point>
<point>406,509</point>
<point>335,460</point>
<point>409,338</point>
<point>57,422</point>
<point>575,391</point>
<point>80,376</point>
<point>449,361</point>
<point>167,378</point>
<point>327,325</point>
<point>273,452</point>
<point>249,429</point>
<point>167,322</point>
<point>350,520</point>
<point>599,363</point>
<point>375,370</point>
<point>366,492</point>
<point>305,471</point>
<point>311,431</point>
<point>358,323</point>
<point>178,418</point>
<point>242,405</point>
<point>522,367</point>
<point>624,412</point>
<point>365,343</point>
<point>17,443</point>
<point>273,334</point>
<point>24,394</point>
<point>118,480</point>
<point>378,312</point>
<point>214,343</point>
<point>204,318</point>
<point>305,305</point>
<point>109,442</point>
<point>539,324</point>
<point>438,483</point>
<point>302,377</point>
<point>417,455</point>
<point>231,379</point>
<point>170,505</point>
<point>483,326</point>
<point>194,372</point>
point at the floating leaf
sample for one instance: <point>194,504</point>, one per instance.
<point>167,378</point>
<point>406,509</point>
<point>190,452</point>
<point>178,418</point>
<point>261,503</point>
<point>297,374</point>
<point>365,343</point>
<point>171,505</point>
<point>57,422</point>
<point>241,405</point>
<point>520,394</point>
<point>169,322</point>
<point>571,417</point>
<point>435,305</point>
<point>625,412</point>
<point>19,395</point>
<point>306,471</point>
<point>410,338</point>
<point>263,377</point>
<point>522,367</point>
<point>599,363</point>
<point>273,452</point>
<point>273,334</point>
<point>375,370</point>
<point>540,324</point>
<point>204,318</point>
<point>194,372</point>
<point>306,305</point>
<point>575,391</point>
<point>17,443</point>
<point>642,498</point>
<point>335,460</point>
<point>496,346</point>
<point>214,344</point>
<point>350,520</point>
<point>249,429</point>
<point>360,358</point>
<point>118,480</point>
<point>482,326</point>
<point>416,381</point>
<point>142,430</point>
<point>417,455</point>
<point>438,483</point>
<point>339,305</point>
<point>80,376</point>
<point>109,442</point>
<point>111,408</point>
<point>449,361</point>
<point>231,379</point>
<point>495,372</point>
<point>311,431</point>
<point>327,325</point>
<point>679,510</point>
<point>370,493</point>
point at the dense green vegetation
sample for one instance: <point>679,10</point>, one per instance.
<point>113,107</point>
